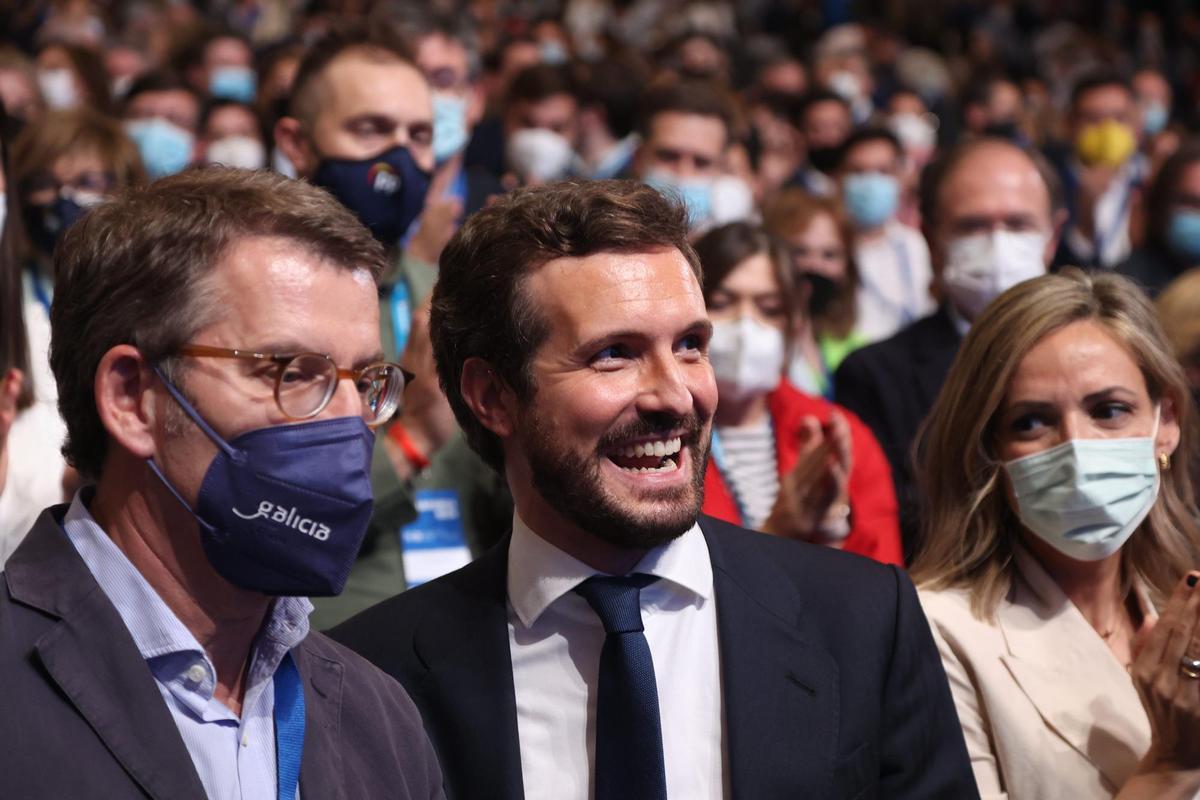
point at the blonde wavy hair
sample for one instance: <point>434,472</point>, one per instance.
<point>968,528</point>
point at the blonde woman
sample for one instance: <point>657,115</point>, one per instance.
<point>1060,523</point>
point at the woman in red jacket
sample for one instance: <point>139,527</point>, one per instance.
<point>782,461</point>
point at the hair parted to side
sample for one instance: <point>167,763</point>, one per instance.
<point>479,307</point>
<point>136,270</point>
<point>969,529</point>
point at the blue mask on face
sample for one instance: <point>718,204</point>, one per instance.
<point>283,510</point>
<point>871,198</point>
<point>233,83</point>
<point>165,148</point>
<point>1155,118</point>
<point>1183,233</point>
<point>695,193</point>
<point>450,132</point>
<point>386,192</point>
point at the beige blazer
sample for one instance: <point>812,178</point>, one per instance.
<point>1047,711</point>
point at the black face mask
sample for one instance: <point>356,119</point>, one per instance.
<point>387,192</point>
<point>1003,130</point>
<point>823,290</point>
<point>824,159</point>
<point>47,224</point>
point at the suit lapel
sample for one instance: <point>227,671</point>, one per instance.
<point>322,764</point>
<point>1051,649</point>
<point>470,677</point>
<point>91,657</point>
<point>780,691</point>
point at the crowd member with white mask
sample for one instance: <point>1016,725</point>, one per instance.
<point>162,115</point>
<point>892,258</point>
<point>1060,523</point>
<point>71,76</point>
<point>782,461</point>
<point>230,134</point>
<point>991,215</point>
<point>541,124</point>
<point>686,128</point>
<point>609,97</point>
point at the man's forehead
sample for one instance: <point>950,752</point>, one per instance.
<point>591,287</point>
<point>996,176</point>
<point>367,81</point>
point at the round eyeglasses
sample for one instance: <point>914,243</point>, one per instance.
<point>306,382</point>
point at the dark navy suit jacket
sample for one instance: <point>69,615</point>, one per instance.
<point>81,715</point>
<point>833,687</point>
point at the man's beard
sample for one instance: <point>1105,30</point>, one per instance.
<point>571,483</point>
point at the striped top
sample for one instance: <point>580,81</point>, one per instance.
<point>749,468</point>
<point>234,758</point>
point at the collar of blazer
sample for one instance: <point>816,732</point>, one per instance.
<point>1067,671</point>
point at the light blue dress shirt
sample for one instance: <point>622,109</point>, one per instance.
<point>235,758</point>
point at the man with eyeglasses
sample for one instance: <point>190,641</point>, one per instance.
<point>216,349</point>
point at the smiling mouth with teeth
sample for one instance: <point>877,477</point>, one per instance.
<point>659,455</point>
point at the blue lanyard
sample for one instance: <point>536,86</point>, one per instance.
<point>289,727</point>
<point>39,291</point>
<point>401,314</point>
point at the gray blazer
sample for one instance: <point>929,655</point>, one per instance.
<point>81,716</point>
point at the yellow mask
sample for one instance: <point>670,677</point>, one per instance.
<point>1109,143</point>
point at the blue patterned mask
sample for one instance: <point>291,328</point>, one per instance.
<point>387,192</point>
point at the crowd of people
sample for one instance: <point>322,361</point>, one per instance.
<point>614,284</point>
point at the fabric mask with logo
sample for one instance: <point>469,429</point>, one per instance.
<point>747,357</point>
<point>871,198</point>
<point>539,155</point>
<point>387,192</point>
<point>1183,234</point>
<point>165,147</point>
<point>1086,497</point>
<point>696,194</point>
<point>243,152</point>
<point>1108,143</point>
<point>58,88</point>
<point>283,510</point>
<point>982,266</point>
<point>450,134</point>
<point>233,83</point>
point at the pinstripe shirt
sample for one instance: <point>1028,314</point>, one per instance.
<point>234,757</point>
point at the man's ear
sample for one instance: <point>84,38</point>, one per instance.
<point>125,400</point>
<point>489,398</point>
<point>291,141</point>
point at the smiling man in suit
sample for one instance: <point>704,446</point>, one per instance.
<point>617,644</point>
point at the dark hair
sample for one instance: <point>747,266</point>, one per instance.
<point>813,97</point>
<point>380,41</point>
<point>1098,79</point>
<point>614,84</point>
<point>136,270</point>
<point>722,249</point>
<point>686,96</point>
<point>867,134</point>
<point>160,81</point>
<point>14,342</point>
<point>413,22</point>
<point>979,90</point>
<point>539,82</point>
<point>213,106</point>
<point>1164,190</point>
<point>938,171</point>
<point>479,307</point>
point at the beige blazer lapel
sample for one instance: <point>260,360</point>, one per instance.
<point>1067,671</point>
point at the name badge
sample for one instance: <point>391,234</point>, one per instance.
<point>434,544</point>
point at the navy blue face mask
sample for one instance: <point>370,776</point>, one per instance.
<point>47,224</point>
<point>283,510</point>
<point>386,192</point>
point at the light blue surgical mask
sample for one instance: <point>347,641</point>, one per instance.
<point>1183,233</point>
<point>450,132</point>
<point>233,83</point>
<point>165,147</point>
<point>871,198</point>
<point>553,52</point>
<point>1086,497</point>
<point>695,193</point>
<point>1155,118</point>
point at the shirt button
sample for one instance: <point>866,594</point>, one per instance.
<point>196,673</point>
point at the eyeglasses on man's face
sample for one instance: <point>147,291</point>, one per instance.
<point>306,382</point>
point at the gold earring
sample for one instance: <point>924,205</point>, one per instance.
<point>1164,461</point>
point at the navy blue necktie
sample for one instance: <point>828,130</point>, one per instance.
<point>629,749</point>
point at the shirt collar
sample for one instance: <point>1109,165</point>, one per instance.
<point>540,573</point>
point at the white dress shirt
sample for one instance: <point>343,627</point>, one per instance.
<point>1110,244</point>
<point>555,640</point>
<point>894,275</point>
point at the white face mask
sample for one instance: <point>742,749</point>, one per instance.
<point>58,87</point>
<point>244,152</point>
<point>747,358</point>
<point>982,266</point>
<point>914,131</point>
<point>541,155</point>
<point>1086,497</point>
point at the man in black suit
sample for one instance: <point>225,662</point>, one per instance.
<point>617,644</point>
<point>991,213</point>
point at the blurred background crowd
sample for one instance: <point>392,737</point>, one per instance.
<point>863,178</point>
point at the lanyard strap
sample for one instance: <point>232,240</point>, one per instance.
<point>289,727</point>
<point>39,291</point>
<point>1103,240</point>
<point>401,310</point>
